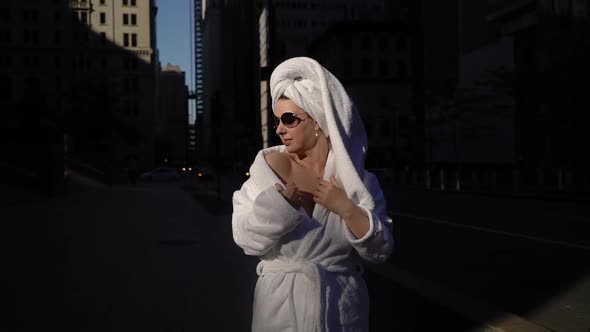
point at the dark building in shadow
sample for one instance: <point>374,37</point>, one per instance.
<point>79,81</point>
<point>372,60</point>
<point>550,75</point>
<point>228,130</point>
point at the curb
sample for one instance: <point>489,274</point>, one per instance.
<point>492,319</point>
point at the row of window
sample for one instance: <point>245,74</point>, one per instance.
<point>368,43</point>
<point>79,63</point>
<point>369,68</point>
<point>31,37</point>
<point>132,3</point>
<point>128,19</point>
<point>32,16</point>
<point>32,85</point>
<point>130,39</point>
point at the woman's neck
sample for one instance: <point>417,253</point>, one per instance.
<point>315,158</point>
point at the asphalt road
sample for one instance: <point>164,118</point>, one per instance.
<point>161,257</point>
<point>527,257</point>
<point>151,258</point>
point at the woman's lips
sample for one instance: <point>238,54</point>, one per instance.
<point>287,141</point>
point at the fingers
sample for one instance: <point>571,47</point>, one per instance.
<point>279,187</point>
<point>335,181</point>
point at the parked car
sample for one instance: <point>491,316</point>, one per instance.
<point>160,174</point>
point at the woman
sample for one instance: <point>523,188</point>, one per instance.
<point>310,210</point>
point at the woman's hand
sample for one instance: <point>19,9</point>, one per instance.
<point>291,192</point>
<point>331,196</point>
<point>334,198</point>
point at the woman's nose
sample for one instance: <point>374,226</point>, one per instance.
<point>280,128</point>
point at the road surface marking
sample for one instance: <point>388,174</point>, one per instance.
<point>494,231</point>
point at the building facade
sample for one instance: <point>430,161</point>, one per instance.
<point>128,51</point>
<point>372,60</point>
<point>289,27</point>
<point>550,74</point>
<point>172,121</point>
<point>229,135</point>
<point>83,72</point>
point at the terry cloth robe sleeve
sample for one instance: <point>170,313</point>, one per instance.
<point>377,244</point>
<point>258,223</point>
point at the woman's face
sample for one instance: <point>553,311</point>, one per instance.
<point>301,137</point>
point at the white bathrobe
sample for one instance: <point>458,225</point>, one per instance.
<point>310,272</point>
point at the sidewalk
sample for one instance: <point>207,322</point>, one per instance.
<point>501,260</point>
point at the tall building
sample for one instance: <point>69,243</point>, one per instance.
<point>550,51</point>
<point>84,73</point>
<point>295,24</point>
<point>288,27</point>
<point>372,60</point>
<point>172,122</point>
<point>197,131</point>
<point>230,128</point>
<point>128,53</point>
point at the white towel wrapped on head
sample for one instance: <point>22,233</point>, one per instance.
<point>319,93</point>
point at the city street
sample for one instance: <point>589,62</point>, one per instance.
<point>160,257</point>
<point>522,256</point>
<point>125,259</point>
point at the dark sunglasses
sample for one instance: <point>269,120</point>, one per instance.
<point>289,120</point>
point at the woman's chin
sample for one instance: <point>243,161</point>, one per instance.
<point>291,148</point>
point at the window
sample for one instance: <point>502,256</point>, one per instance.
<point>400,43</point>
<point>35,37</point>
<point>347,69</point>
<point>366,42</point>
<point>32,86</point>
<point>401,68</point>
<point>346,43</point>
<point>366,67</point>
<point>32,61</point>
<point>5,61</point>
<point>130,63</point>
<point>125,19</point>
<point>103,18</point>
<point>5,36</point>
<point>103,38</point>
<point>84,17</point>
<point>57,17</point>
<point>385,127</point>
<point>383,43</point>
<point>125,39</point>
<point>5,88</point>
<point>133,19</point>
<point>57,83</point>
<point>57,37</point>
<point>5,15</point>
<point>384,68</point>
<point>102,2</point>
<point>133,40</point>
<point>125,3</point>
<point>31,15</point>
<point>133,3</point>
